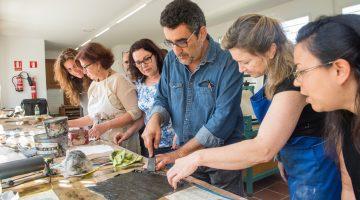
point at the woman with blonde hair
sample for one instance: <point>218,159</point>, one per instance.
<point>112,97</point>
<point>288,124</point>
<point>69,74</point>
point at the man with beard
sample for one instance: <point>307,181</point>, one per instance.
<point>200,91</point>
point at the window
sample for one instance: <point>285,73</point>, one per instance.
<point>355,9</point>
<point>291,27</point>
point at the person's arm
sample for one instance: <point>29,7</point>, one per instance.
<point>163,159</point>
<point>126,94</point>
<point>81,122</point>
<point>347,191</point>
<point>159,113</point>
<point>161,104</point>
<point>135,127</point>
<point>276,128</point>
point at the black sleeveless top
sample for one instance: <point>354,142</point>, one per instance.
<point>310,123</point>
<point>352,163</point>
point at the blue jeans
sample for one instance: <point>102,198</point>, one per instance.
<point>310,172</point>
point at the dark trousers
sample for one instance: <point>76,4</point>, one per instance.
<point>229,180</point>
<point>162,150</point>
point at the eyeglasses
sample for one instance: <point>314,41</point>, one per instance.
<point>86,66</point>
<point>298,74</point>
<point>182,43</point>
<point>146,60</point>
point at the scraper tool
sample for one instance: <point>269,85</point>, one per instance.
<point>151,164</point>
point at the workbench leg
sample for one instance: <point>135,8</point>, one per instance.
<point>249,181</point>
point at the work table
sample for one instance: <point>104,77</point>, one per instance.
<point>77,187</point>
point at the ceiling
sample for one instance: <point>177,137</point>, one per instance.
<point>69,23</point>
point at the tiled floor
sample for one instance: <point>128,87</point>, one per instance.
<point>270,188</point>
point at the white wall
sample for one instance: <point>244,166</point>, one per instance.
<point>52,54</point>
<point>55,96</point>
<point>24,49</point>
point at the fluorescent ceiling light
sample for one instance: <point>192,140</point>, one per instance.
<point>131,13</point>
<point>120,20</point>
<point>97,35</point>
<point>86,42</point>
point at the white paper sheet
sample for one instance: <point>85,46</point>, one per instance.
<point>47,195</point>
<point>194,193</point>
<point>8,155</point>
<point>94,149</point>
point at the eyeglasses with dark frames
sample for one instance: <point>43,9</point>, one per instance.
<point>88,65</point>
<point>146,60</point>
<point>182,43</point>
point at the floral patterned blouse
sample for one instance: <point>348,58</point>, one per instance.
<point>146,98</point>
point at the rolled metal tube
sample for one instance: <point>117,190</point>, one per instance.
<point>19,167</point>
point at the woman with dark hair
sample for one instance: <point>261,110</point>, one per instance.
<point>112,97</point>
<point>70,76</point>
<point>145,64</point>
<point>288,124</point>
<point>327,58</point>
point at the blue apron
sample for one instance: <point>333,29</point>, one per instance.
<point>260,104</point>
<point>311,174</point>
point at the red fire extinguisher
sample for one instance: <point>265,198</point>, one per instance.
<point>33,89</point>
<point>19,86</point>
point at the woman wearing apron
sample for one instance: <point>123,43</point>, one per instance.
<point>289,126</point>
<point>71,78</point>
<point>112,103</point>
<point>327,57</point>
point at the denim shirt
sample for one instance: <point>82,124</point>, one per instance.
<point>204,104</point>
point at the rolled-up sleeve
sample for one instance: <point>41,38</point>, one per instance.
<point>207,139</point>
<point>227,113</point>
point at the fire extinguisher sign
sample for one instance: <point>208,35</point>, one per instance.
<point>17,65</point>
<point>33,64</point>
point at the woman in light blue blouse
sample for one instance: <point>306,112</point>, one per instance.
<point>146,60</point>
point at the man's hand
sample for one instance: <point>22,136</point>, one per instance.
<point>163,159</point>
<point>97,130</point>
<point>183,168</point>
<point>152,134</point>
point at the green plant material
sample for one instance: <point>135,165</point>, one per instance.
<point>122,159</point>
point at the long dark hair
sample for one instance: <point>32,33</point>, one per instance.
<point>331,38</point>
<point>71,85</point>
<point>147,45</point>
